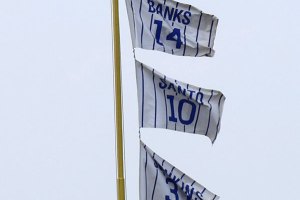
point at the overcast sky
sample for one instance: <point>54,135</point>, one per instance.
<point>56,102</point>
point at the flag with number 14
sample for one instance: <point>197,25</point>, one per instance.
<point>171,27</point>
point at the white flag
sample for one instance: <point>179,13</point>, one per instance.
<point>171,104</point>
<point>171,27</point>
<point>159,180</point>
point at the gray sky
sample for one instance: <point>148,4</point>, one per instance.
<point>56,102</point>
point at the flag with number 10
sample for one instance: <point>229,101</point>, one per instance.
<point>171,104</point>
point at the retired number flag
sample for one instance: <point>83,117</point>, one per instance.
<point>159,180</point>
<point>171,104</point>
<point>171,27</point>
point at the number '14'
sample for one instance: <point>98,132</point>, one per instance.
<point>174,36</point>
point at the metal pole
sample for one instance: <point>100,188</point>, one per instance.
<point>118,101</point>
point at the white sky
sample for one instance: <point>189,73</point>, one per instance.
<point>56,102</point>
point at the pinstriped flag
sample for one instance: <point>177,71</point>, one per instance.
<point>171,27</point>
<point>171,104</point>
<point>159,180</point>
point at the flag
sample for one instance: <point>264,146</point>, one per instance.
<point>171,104</point>
<point>171,27</point>
<point>159,180</point>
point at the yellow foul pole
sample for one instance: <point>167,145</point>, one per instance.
<point>118,101</point>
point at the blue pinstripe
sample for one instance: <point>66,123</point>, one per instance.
<point>212,92</point>
<point>155,98</point>
<point>133,17</point>
<point>146,170</point>
<point>200,18</point>
<point>166,106</point>
<point>142,31</point>
<point>143,94</point>
<point>155,179</point>
<point>211,27</point>
<point>198,113</point>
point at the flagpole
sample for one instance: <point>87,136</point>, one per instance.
<point>118,101</point>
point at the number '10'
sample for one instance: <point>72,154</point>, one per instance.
<point>174,36</point>
<point>181,103</point>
